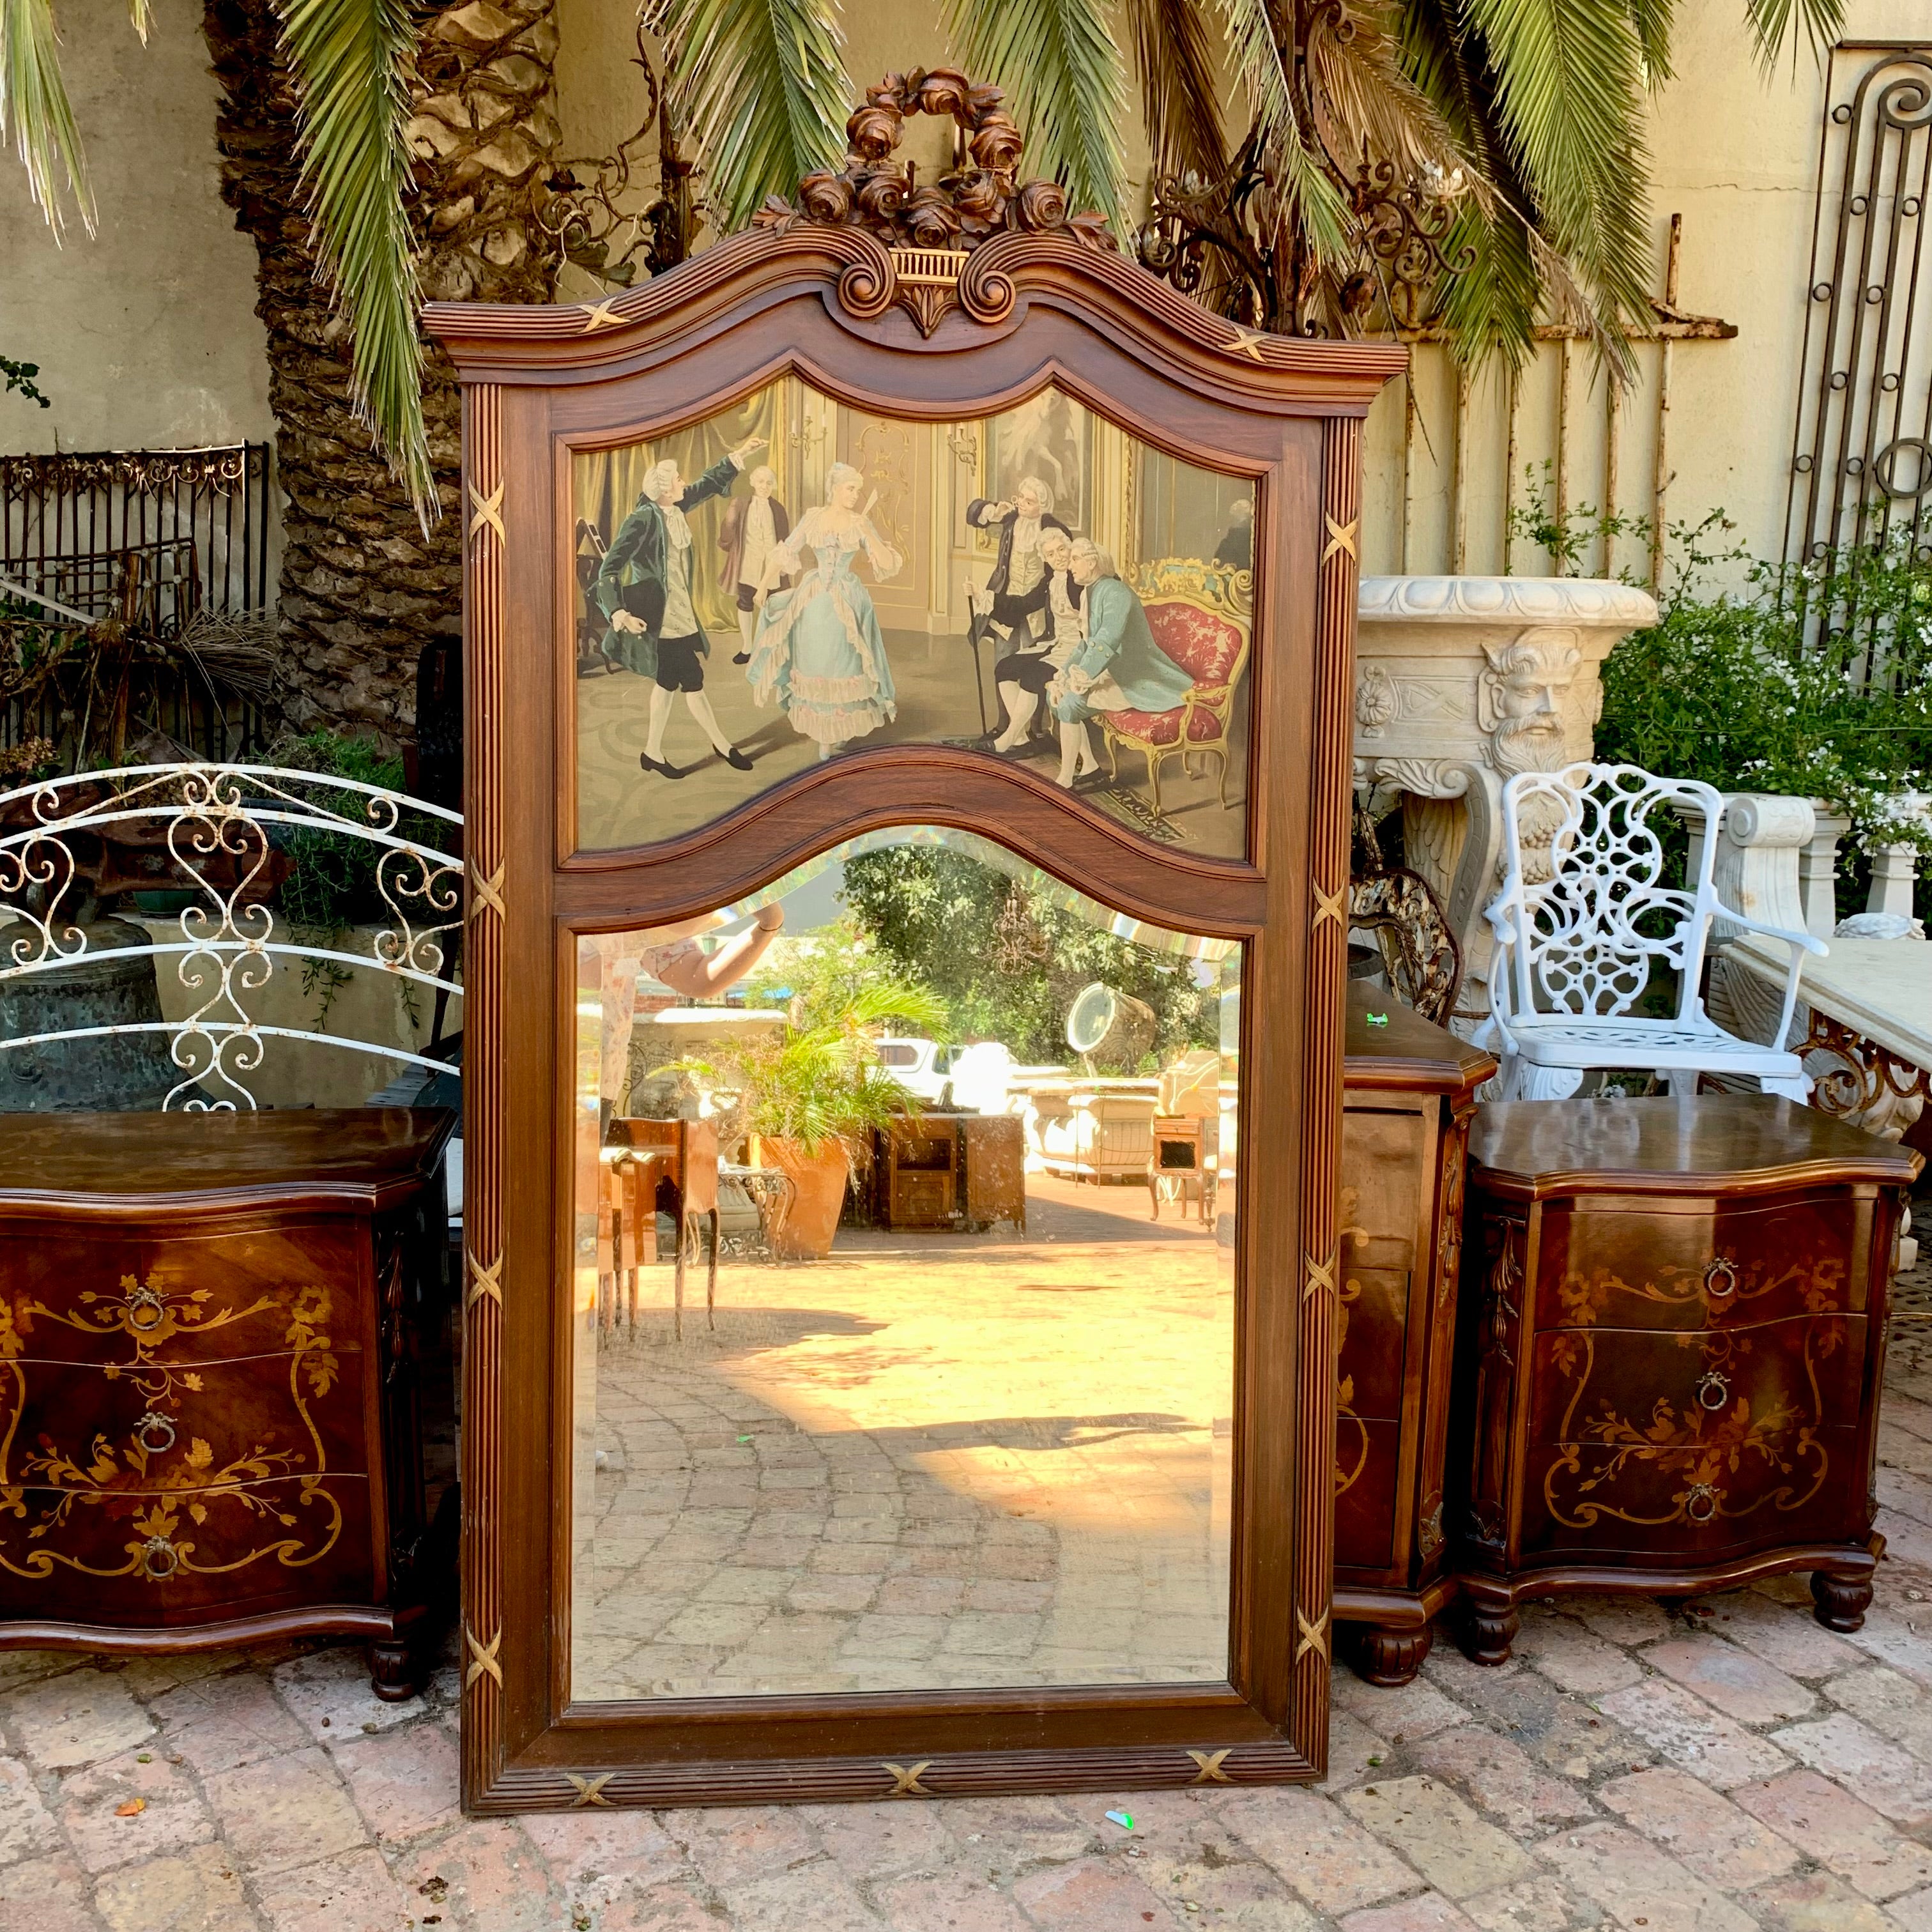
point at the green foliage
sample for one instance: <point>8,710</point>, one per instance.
<point>763,88</point>
<point>1059,61</point>
<point>35,110</point>
<point>1814,680</point>
<point>331,882</point>
<point>1008,961</point>
<point>822,1082</point>
<point>352,61</point>
<point>19,376</point>
<point>820,975</point>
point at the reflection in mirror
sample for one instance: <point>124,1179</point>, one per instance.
<point>903,1307</point>
<point>793,578</point>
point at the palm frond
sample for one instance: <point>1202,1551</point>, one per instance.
<point>1178,98</point>
<point>1567,76</point>
<point>1058,63</point>
<point>34,104</point>
<point>762,86</point>
<point>1365,104</point>
<point>1652,21</point>
<point>1770,22</point>
<point>351,60</point>
<point>142,13</point>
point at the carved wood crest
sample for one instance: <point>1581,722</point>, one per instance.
<point>925,236</point>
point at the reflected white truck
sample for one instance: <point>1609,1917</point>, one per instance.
<point>973,1079</point>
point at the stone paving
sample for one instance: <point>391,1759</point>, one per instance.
<point>1715,1766</point>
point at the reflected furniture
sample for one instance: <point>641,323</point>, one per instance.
<point>1583,917</point>
<point>667,1166</point>
<point>210,1429</point>
<point>1409,1095</point>
<point>1200,614</point>
<point>1670,1352</point>
<point>1414,954</point>
<point>1184,1155</point>
<point>1100,1130</point>
<point>938,1170</point>
<point>916,1164</point>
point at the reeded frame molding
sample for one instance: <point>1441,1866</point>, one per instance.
<point>541,382</point>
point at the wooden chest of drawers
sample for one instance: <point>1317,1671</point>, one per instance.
<point>209,1426</point>
<point>1409,1093</point>
<point>1672,1337</point>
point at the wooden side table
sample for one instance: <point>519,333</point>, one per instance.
<point>209,1425</point>
<point>1670,1351</point>
<point>1409,1093</point>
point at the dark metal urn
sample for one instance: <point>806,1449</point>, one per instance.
<point>107,986</point>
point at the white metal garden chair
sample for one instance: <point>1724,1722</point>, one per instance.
<point>1583,916</point>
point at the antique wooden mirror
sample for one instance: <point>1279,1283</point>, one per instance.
<point>908,672</point>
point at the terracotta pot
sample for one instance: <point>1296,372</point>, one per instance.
<point>818,1184</point>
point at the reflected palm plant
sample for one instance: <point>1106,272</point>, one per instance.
<point>1491,152</point>
<point>816,1084</point>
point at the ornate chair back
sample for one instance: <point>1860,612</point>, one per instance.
<point>1584,914</point>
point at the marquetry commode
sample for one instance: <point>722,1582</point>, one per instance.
<point>1670,1347</point>
<point>209,1424</point>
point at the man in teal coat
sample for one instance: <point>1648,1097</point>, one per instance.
<point>1118,667</point>
<point>644,587</point>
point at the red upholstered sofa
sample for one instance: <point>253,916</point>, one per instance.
<point>1199,613</point>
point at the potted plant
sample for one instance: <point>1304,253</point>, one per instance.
<point>809,1096</point>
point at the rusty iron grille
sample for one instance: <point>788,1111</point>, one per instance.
<point>166,550</point>
<point>191,527</point>
<point>1862,457</point>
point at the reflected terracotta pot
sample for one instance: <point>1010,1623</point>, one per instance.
<point>818,1192</point>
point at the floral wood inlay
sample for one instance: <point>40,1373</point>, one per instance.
<point>1818,1280</point>
<point>162,1472</point>
<point>1348,1473</point>
<point>1729,1456</point>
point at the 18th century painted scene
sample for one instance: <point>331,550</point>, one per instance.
<point>793,580</point>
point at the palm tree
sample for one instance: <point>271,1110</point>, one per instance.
<point>1486,153</point>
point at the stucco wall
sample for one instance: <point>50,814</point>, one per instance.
<point>145,334</point>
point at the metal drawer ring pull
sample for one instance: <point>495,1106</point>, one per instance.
<point>1724,1270</point>
<point>159,1559</point>
<point>152,1425</point>
<point>1713,1390</point>
<point>1700,1502</point>
<point>145,1310</point>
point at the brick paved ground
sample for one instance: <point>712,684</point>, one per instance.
<point>1722,1766</point>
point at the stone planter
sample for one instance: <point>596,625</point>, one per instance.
<point>1461,683</point>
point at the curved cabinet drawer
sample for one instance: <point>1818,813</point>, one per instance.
<point>1640,1441</point>
<point>100,1430</point>
<point>1702,1265</point>
<point>129,1559</point>
<point>126,1299</point>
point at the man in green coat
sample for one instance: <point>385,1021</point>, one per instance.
<point>1118,667</point>
<point>643,587</point>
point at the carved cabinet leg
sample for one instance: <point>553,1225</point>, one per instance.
<point>1840,1602</point>
<point>1492,1625</point>
<point>1391,1657</point>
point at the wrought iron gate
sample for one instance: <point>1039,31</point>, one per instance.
<point>1862,459</point>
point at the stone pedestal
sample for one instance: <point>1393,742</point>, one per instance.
<point>1461,682</point>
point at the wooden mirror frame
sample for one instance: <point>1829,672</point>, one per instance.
<point>938,335</point>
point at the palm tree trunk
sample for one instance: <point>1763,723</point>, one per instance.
<point>362,590</point>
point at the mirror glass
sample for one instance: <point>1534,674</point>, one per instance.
<point>903,1303</point>
<point>792,579</point>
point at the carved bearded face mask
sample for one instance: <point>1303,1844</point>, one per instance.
<point>1522,706</point>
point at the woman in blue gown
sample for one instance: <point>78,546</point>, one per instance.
<point>817,652</point>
